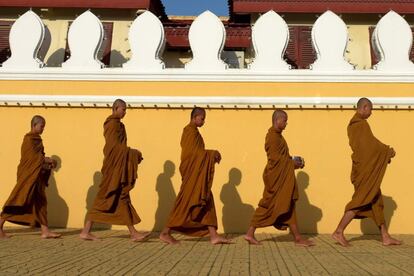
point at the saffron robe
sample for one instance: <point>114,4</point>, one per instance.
<point>27,204</point>
<point>194,209</point>
<point>112,204</point>
<point>370,158</point>
<point>277,206</point>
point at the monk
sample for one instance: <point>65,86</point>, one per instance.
<point>112,204</point>
<point>277,206</point>
<point>27,204</point>
<point>370,158</point>
<point>194,213</point>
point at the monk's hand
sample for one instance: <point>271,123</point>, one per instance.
<point>392,152</point>
<point>302,163</point>
<point>217,156</point>
<point>53,164</point>
<point>140,158</point>
<point>49,163</point>
<point>299,162</point>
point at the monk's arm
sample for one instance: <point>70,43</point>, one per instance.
<point>112,136</point>
<point>274,154</point>
<point>49,163</point>
<point>138,154</point>
<point>35,147</point>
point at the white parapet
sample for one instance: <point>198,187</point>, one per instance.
<point>85,39</point>
<point>330,38</point>
<point>26,37</point>
<point>270,36</point>
<point>207,37</point>
<point>147,40</point>
<point>393,39</point>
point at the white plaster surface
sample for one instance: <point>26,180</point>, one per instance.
<point>147,41</point>
<point>26,37</point>
<point>84,38</point>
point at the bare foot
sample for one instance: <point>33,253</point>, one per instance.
<point>252,240</point>
<point>137,237</point>
<point>220,240</point>
<point>167,238</point>
<point>50,235</point>
<point>339,238</point>
<point>304,243</point>
<point>88,237</point>
<point>4,235</point>
<point>390,241</point>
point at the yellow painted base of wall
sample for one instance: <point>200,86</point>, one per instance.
<point>75,137</point>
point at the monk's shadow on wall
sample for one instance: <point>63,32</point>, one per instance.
<point>166,195</point>
<point>236,214</point>
<point>92,191</point>
<point>308,215</point>
<point>56,58</point>
<point>57,209</point>
<point>369,228</point>
<point>117,58</point>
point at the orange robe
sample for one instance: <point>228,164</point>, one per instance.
<point>370,158</point>
<point>277,206</point>
<point>27,204</point>
<point>194,208</point>
<point>112,204</point>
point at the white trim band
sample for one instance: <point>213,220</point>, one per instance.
<point>230,75</point>
<point>230,102</point>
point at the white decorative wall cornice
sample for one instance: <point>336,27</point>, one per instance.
<point>230,75</point>
<point>214,102</point>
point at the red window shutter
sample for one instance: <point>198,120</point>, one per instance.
<point>107,42</point>
<point>306,52</point>
<point>299,52</point>
<point>291,53</point>
<point>5,27</point>
<point>105,47</point>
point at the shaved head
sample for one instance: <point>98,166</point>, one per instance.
<point>117,103</point>
<point>363,102</point>
<point>277,114</point>
<point>37,119</point>
<point>197,111</point>
<point>364,108</point>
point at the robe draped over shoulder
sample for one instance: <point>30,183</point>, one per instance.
<point>370,158</point>
<point>27,204</point>
<point>194,209</point>
<point>277,206</point>
<point>112,204</point>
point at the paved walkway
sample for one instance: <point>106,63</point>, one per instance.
<point>26,254</point>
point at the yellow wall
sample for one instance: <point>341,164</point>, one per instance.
<point>121,51</point>
<point>52,51</point>
<point>75,136</point>
<point>358,51</point>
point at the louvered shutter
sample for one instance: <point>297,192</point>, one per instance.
<point>306,52</point>
<point>299,52</point>
<point>5,27</point>
<point>291,54</point>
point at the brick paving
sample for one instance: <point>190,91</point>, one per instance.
<point>26,254</point>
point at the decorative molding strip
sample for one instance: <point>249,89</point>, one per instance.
<point>230,75</point>
<point>88,101</point>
